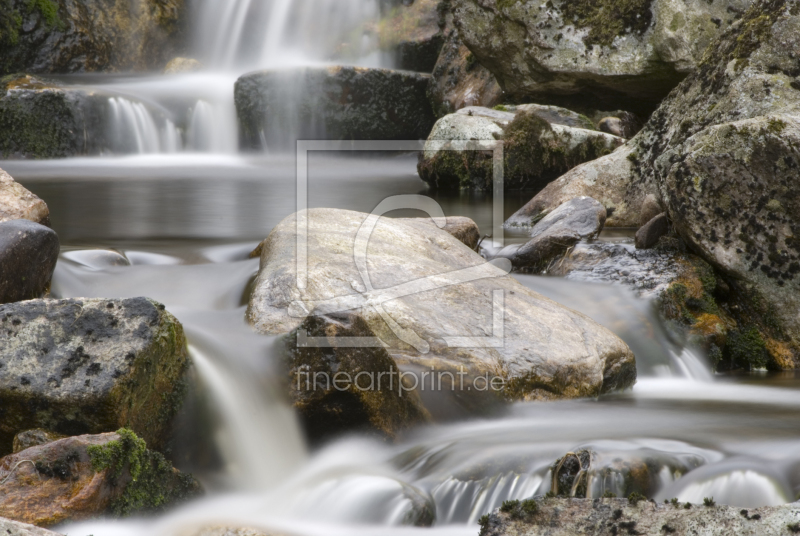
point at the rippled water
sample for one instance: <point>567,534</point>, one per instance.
<point>180,231</point>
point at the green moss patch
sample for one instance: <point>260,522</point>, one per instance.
<point>606,19</point>
<point>153,484</point>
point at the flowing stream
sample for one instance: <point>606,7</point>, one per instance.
<point>171,211</point>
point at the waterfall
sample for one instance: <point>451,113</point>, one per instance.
<point>269,33</point>
<point>134,129</point>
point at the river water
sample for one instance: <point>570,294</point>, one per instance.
<point>172,210</point>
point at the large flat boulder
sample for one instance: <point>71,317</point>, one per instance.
<point>15,528</point>
<point>88,476</point>
<point>82,366</point>
<point>28,255</point>
<point>434,291</point>
<point>622,54</point>
<point>17,203</point>
<point>339,102</point>
<point>71,36</point>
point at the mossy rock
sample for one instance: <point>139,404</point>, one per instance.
<point>49,36</point>
<point>88,366</point>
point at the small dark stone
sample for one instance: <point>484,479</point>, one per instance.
<point>28,255</point>
<point>648,235</point>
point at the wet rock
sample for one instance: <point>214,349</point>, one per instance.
<point>549,351</point>
<point>18,203</point>
<point>462,228</point>
<point>592,473</point>
<point>649,234</point>
<point>50,122</point>
<point>535,150</point>
<point>9,527</point>
<point>650,209</point>
<point>182,65</point>
<point>628,54</point>
<point>575,220</point>
<point>607,517</point>
<point>88,476</point>
<point>28,255</point>
<point>369,397</point>
<point>89,35</point>
<point>32,438</point>
<point>459,80</point>
<point>81,366</point>
<point>607,179</point>
<point>333,103</point>
<point>413,34</point>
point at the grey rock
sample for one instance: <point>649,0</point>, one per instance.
<point>18,203</point>
<point>88,366</point>
<point>333,103</point>
<point>606,517</point>
<point>607,179</point>
<point>618,55</point>
<point>612,125</point>
<point>31,438</point>
<point>51,122</point>
<point>412,33</point>
<point>28,255</point>
<point>543,341</point>
<point>459,80</point>
<point>15,528</point>
<point>575,220</point>
<point>649,234</point>
<point>462,228</point>
<point>534,150</point>
<point>556,115</point>
<point>650,209</point>
<point>370,397</point>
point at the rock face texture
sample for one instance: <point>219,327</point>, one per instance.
<point>68,36</point>
<point>18,203</point>
<point>629,53</point>
<point>333,103</point>
<point>28,255</point>
<point>370,396</point>
<point>537,147</point>
<point>575,220</point>
<point>607,517</point>
<point>432,289</point>
<point>459,80</point>
<point>88,476</point>
<point>42,121</point>
<point>720,155</point>
<point>88,366</point>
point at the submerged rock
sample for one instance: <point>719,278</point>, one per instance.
<point>370,396</point>
<point>355,103</point>
<point>88,476</point>
<point>459,80</point>
<point>28,255</point>
<point>537,147</point>
<point>68,36</point>
<point>81,366</point>
<point>50,122</point>
<point>435,291</point>
<point>18,203</point>
<point>607,517</point>
<point>620,54</point>
<point>578,219</point>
